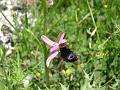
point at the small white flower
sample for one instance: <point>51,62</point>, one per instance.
<point>50,3</point>
<point>26,83</point>
<point>27,79</point>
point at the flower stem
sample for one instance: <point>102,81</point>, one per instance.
<point>46,69</point>
<point>44,47</point>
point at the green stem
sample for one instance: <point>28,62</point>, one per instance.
<point>46,69</point>
<point>44,47</point>
<point>26,16</point>
<point>98,38</point>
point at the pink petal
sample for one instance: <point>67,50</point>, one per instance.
<point>54,48</point>
<point>61,37</point>
<point>48,41</point>
<point>51,57</point>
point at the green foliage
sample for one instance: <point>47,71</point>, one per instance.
<point>96,40</point>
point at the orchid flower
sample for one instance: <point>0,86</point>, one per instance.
<point>54,46</point>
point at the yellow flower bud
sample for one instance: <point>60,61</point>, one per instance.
<point>105,6</point>
<point>37,74</point>
<point>68,72</point>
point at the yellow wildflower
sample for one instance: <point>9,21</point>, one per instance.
<point>105,6</point>
<point>68,72</point>
<point>38,74</point>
